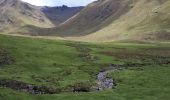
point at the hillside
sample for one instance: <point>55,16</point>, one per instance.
<point>58,15</point>
<point>120,19</point>
<point>104,20</point>
<point>15,13</point>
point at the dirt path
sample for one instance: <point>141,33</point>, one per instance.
<point>35,37</point>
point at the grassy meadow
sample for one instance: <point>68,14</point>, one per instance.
<point>55,63</point>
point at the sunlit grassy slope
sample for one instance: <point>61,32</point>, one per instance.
<point>62,63</point>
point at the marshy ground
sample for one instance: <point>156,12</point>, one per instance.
<point>69,69</point>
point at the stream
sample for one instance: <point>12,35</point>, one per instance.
<point>104,82</point>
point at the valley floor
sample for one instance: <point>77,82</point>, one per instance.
<point>73,68</point>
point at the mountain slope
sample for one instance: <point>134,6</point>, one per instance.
<point>147,20</point>
<point>60,14</point>
<point>120,19</point>
<point>15,13</point>
<point>94,16</point>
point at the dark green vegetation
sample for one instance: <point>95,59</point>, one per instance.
<point>73,66</point>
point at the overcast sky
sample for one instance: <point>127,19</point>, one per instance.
<point>59,2</point>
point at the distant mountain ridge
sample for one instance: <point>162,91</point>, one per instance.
<point>61,13</point>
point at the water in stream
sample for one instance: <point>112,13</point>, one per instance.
<point>105,82</point>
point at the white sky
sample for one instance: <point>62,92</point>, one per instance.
<point>59,2</point>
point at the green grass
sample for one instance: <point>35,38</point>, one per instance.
<point>57,63</point>
<point>150,83</point>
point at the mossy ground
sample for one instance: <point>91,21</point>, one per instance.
<point>57,63</point>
